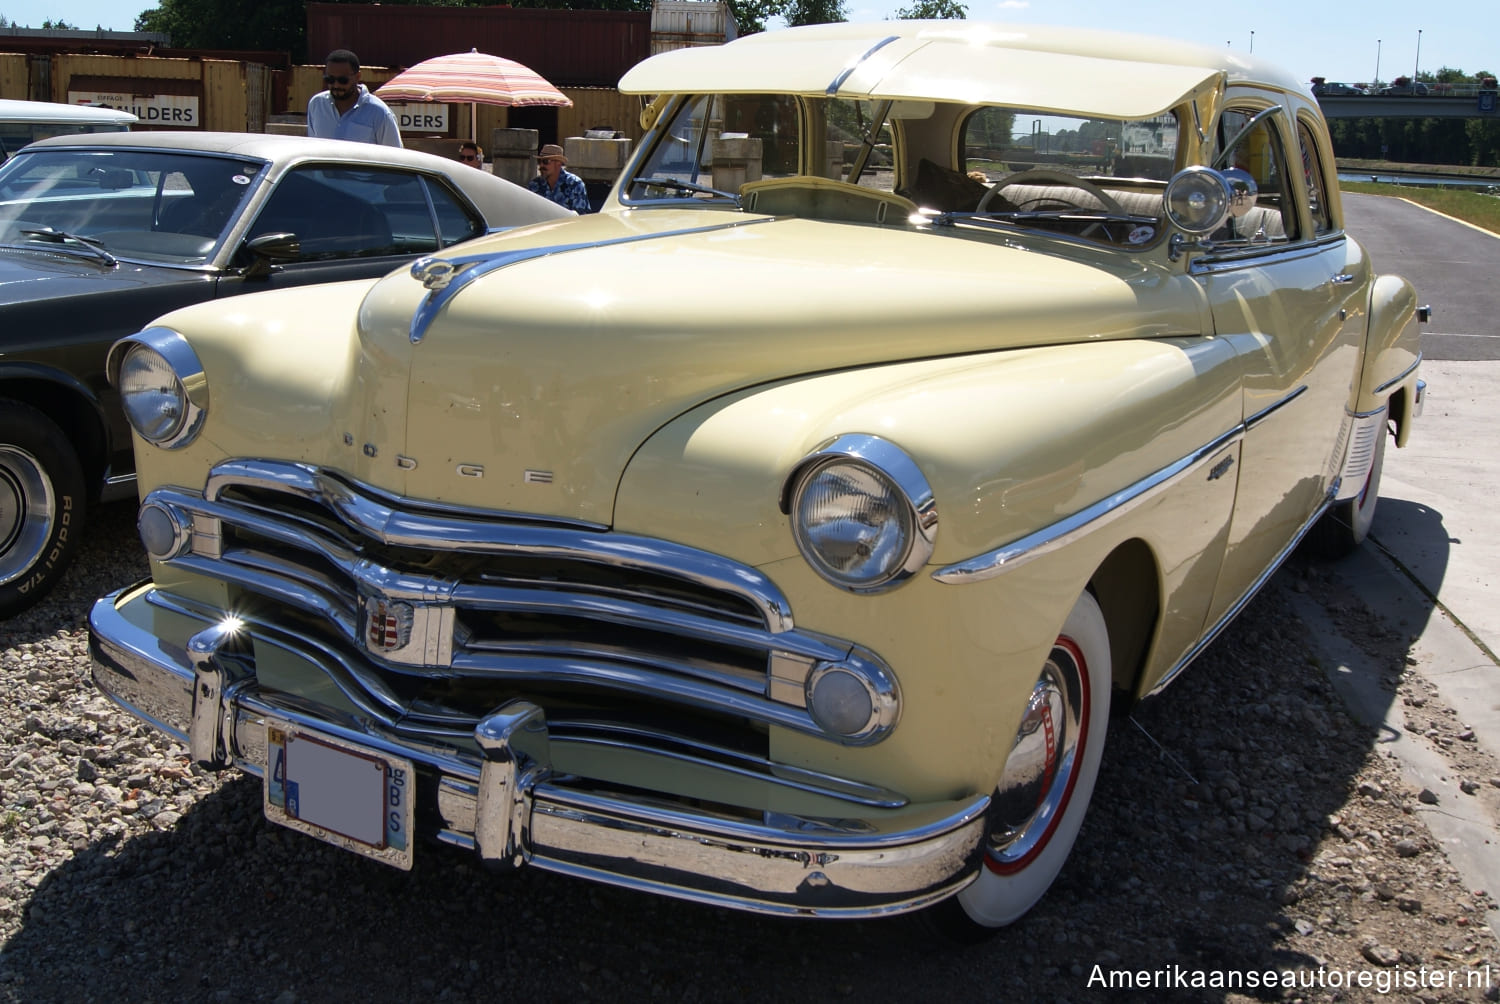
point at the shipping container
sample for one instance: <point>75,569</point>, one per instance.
<point>571,48</point>
<point>681,24</point>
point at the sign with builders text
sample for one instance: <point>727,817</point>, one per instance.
<point>422,118</point>
<point>152,109</point>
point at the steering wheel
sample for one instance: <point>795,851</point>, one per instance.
<point>1043,174</point>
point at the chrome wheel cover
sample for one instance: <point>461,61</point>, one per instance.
<point>27,507</point>
<point>1041,768</point>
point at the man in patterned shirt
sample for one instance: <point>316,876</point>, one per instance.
<point>554,181</point>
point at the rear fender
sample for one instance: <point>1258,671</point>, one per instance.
<point>1393,351</point>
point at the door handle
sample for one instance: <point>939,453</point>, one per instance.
<point>1343,279</point>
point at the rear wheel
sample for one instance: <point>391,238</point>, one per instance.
<point>1346,524</point>
<point>1046,784</point>
<point>41,506</point>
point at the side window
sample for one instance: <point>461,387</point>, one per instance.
<point>1312,171</point>
<point>336,212</point>
<point>1273,218</point>
<point>456,222</point>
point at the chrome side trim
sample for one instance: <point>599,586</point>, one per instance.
<point>365,511</point>
<point>503,802</point>
<point>1359,455</point>
<point>464,269</point>
<point>1063,532</point>
<point>1269,410</point>
<point>1171,675</point>
<point>1227,259</point>
<point>1399,379</point>
<point>854,64</point>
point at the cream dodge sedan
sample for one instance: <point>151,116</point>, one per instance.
<point>783,536</point>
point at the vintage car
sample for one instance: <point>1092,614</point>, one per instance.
<point>101,233</point>
<point>783,536</point>
<point>25,122</point>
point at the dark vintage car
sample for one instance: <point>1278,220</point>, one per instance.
<point>101,233</point>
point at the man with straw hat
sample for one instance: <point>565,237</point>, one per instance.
<point>554,181</point>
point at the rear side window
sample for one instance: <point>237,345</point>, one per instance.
<point>341,212</point>
<point>1313,172</point>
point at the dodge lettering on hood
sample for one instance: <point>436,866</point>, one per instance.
<point>783,536</point>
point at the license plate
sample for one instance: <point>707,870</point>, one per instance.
<point>340,792</point>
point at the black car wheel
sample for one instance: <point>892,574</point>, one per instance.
<point>42,502</point>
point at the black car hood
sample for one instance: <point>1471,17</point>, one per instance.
<point>42,273</point>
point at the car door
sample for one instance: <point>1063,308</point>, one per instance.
<point>1286,290</point>
<point>353,223</point>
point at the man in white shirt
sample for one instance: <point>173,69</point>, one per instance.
<point>347,109</point>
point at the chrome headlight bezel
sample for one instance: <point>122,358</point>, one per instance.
<point>186,397</point>
<point>907,496</point>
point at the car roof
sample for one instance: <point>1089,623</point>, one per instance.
<point>498,199</point>
<point>1066,70</point>
<point>14,110</point>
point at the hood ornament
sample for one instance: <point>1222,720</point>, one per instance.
<point>434,273</point>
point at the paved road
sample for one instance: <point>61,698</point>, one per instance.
<point>1452,265</point>
<point>1433,558</point>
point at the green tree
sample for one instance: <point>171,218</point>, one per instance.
<point>59,25</point>
<point>801,12</point>
<point>933,10</point>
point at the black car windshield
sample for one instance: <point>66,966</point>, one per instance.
<point>142,205</point>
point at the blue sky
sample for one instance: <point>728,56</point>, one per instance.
<point>1337,41</point>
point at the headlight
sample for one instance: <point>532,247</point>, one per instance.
<point>862,513</point>
<point>162,387</point>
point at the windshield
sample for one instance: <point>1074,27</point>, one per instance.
<point>143,205</point>
<point>1098,179</point>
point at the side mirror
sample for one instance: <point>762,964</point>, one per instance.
<point>271,249</point>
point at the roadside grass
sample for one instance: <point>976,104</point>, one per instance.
<point>1471,207</point>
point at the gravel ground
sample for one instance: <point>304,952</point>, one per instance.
<point>1242,823</point>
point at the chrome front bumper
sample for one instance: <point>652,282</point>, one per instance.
<point>499,798</point>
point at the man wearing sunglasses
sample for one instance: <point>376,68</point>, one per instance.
<point>347,109</point>
<point>471,153</point>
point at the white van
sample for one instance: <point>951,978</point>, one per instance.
<point>22,122</point>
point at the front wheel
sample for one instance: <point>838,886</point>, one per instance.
<point>1046,784</point>
<point>41,506</point>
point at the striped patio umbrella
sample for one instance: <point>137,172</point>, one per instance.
<point>475,78</point>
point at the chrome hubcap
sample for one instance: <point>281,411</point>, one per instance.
<point>1040,769</point>
<point>26,507</point>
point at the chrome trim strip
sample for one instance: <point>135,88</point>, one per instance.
<point>1401,378</point>
<point>1171,675</point>
<point>1064,531</point>
<point>363,513</point>
<point>839,865</point>
<point>838,81</point>
<point>1266,412</point>
<point>1359,453</point>
<point>1227,259</point>
<point>466,268</point>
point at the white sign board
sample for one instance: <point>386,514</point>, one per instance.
<point>420,118</point>
<point>152,109</point>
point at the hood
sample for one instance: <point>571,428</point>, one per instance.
<point>530,387</point>
<point>41,273</point>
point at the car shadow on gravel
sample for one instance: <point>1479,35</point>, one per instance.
<point>1213,845</point>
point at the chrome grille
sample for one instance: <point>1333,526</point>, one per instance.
<point>457,610</point>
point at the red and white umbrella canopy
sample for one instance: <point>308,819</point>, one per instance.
<point>473,77</point>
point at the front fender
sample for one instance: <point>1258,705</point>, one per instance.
<point>1010,442</point>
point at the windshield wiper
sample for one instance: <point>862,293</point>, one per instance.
<point>91,247</point>
<point>683,186</point>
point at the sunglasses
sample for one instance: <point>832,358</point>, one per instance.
<point>336,80</point>
<point>467,156</point>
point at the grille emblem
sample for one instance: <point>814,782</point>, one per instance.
<point>387,624</point>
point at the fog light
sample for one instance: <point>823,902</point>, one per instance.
<point>840,701</point>
<point>164,532</point>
